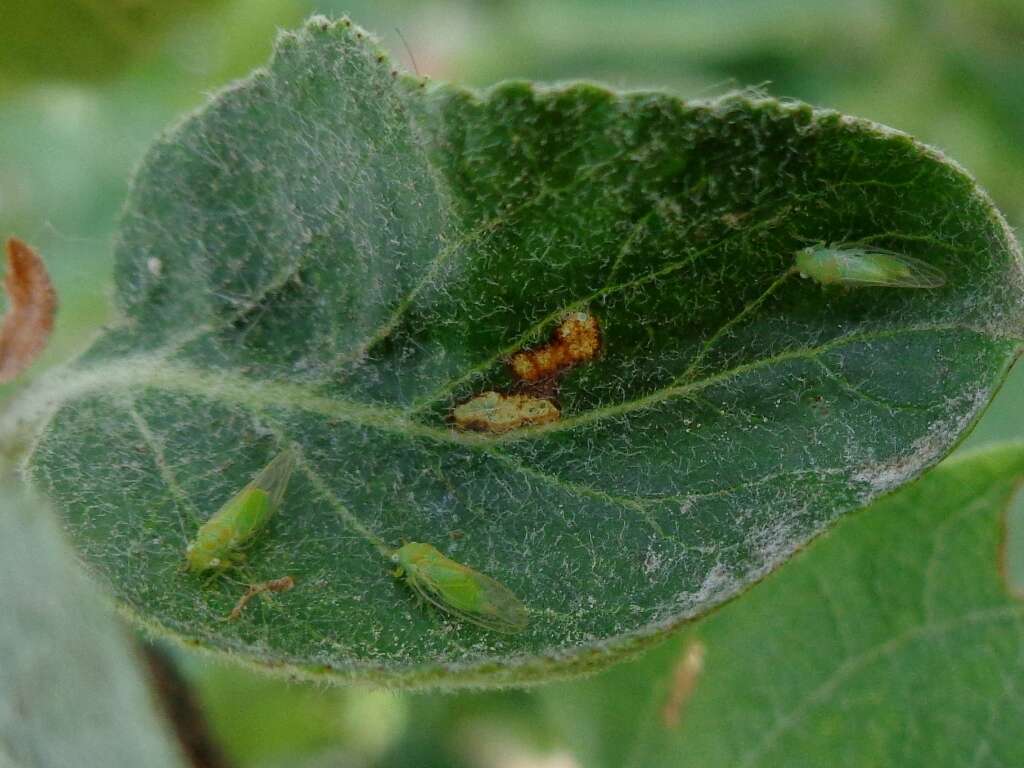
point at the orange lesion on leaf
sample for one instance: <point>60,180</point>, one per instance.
<point>684,680</point>
<point>576,340</point>
<point>33,303</point>
<point>496,413</point>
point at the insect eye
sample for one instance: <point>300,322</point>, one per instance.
<point>215,562</point>
<point>394,558</point>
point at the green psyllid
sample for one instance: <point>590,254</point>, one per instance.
<point>458,589</point>
<point>854,265</point>
<point>245,514</point>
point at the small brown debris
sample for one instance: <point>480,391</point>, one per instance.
<point>29,319</point>
<point>576,340</point>
<point>498,413</point>
<point>274,585</point>
<point>684,681</point>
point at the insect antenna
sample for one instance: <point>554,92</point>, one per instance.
<point>408,50</point>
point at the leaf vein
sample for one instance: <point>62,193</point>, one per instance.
<point>167,475</point>
<point>682,390</point>
<point>855,664</point>
<point>535,330</point>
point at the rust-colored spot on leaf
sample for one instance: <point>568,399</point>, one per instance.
<point>274,585</point>
<point>576,340</point>
<point>684,681</point>
<point>496,413</point>
<point>29,319</point>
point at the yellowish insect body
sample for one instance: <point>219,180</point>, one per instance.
<point>459,590</point>
<point>853,266</point>
<point>219,540</point>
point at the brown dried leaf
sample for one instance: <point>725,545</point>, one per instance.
<point>29,319</point>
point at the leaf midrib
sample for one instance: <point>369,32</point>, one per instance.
<point>156,372</point>
<point>125,377</point>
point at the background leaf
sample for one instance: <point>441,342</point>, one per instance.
<point>50,39</point>
<point>263,721</point>
<point>71,693</point>
<point>332,255</point>
<point>894,641</point>
<point>267,722</point>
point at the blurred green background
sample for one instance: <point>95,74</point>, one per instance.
<point>86,84</point>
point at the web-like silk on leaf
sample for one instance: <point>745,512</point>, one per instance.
<point>334,256</point>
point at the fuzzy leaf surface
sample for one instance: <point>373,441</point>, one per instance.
<point>334,256</point>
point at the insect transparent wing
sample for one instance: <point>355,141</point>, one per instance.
<point>509,616</point>
<point>508,609</point>
<point>896,270</point>
<point>273,478</point>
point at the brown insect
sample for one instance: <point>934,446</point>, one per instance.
<point>274,585</point>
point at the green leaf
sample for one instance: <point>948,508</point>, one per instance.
<point>271,722</point>
<point>892,642</point>
<point>51,39</point>
<point>260,720</point>
<point>71,692</point>
<point>335,256</point>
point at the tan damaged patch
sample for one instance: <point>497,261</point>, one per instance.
<point>576,340</point>
<point>29,319</point>
<point>684,681</point>
<point>496,413</point>
<point>274,585</point>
